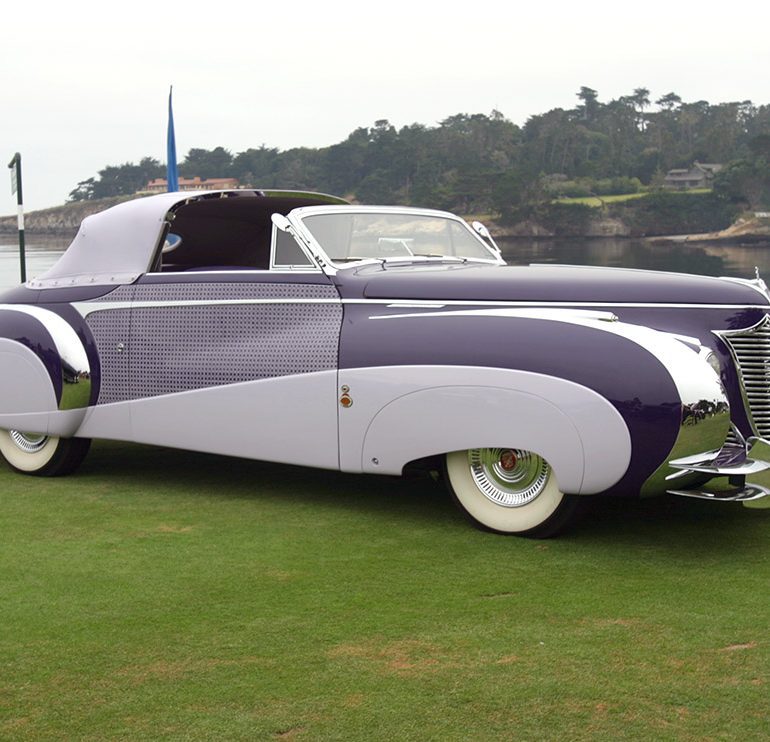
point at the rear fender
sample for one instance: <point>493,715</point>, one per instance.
<point>45,371</point>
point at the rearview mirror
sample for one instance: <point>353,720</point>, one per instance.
<point>281,222</point>
<point>480,229</point>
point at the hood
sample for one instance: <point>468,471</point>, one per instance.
<point>544,283</point>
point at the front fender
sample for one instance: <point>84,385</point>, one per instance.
<point>400,414</point>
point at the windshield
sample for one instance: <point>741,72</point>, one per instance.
<point>364,235</point>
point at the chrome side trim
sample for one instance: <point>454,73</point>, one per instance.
<point>85,308</point>
<point>560,314</point>
<point>89,306</point>
<point>241,271</point>
<point>568,304</point>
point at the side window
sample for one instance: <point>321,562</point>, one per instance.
<point>287,253</point>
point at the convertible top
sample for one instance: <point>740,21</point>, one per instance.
<point>119,244</point>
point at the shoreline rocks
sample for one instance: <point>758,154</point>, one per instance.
<point>58,220</point>
<point>64,221</point>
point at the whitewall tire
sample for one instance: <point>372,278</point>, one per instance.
<point>509,491</point>
<point>42,455</point>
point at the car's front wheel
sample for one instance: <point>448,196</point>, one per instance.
<point>510,491</point>
<point>42,455</point>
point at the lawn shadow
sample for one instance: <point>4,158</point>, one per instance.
<point>189,472</point>
<point>679,525</point>
<point>670,522</point>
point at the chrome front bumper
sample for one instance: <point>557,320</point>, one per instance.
<point>735,461</point>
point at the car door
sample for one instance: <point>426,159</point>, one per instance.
<point>237,362</point>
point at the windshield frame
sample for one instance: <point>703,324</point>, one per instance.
<point>297,216</point>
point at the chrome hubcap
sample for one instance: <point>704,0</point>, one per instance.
<point>28,442</point>
<point>508,476</point>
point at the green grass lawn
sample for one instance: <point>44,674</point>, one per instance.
<point>161,595</point>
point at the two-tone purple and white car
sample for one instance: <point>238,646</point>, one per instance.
<point>293,327</point>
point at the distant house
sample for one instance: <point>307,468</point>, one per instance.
<point>699,175</point>
<point>160,185</point>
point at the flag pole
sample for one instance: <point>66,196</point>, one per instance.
<point>15,167</point>
<point>172,176</point>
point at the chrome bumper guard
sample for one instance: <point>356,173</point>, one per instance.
<point>733,461</point>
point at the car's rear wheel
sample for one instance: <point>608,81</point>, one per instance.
<point>510,491</point>
<point>42,455</point>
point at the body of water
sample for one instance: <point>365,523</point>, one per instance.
<point>41,252</point>
<point>710,260</point>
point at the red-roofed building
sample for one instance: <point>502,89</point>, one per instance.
<point>160,185</point>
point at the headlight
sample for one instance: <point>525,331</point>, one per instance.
<point>713,360</point>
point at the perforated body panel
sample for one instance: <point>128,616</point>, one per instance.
<point>111,330</point>
<point>167,348</point>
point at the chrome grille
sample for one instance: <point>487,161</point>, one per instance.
<point>751,350</point>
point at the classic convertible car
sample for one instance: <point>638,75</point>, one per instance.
<point>293,327</point>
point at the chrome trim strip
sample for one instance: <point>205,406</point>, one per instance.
<point>410,305</point>
<point>241,271</point>
<point>87,307</point>
<point>430,303</point>
<point>561,314</point>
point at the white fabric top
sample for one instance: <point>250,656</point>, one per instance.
<point>115,245</point>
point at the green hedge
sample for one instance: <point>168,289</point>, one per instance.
<point>657,213</point>
<point>671,212</point>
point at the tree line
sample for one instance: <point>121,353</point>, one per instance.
<point>481,163</point>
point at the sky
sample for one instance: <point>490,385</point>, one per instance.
<point>85,84</point>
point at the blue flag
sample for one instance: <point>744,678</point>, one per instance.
<point>172,176</point>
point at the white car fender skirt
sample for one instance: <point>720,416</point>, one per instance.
<point>26,386</point>
<point>400,414</point>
